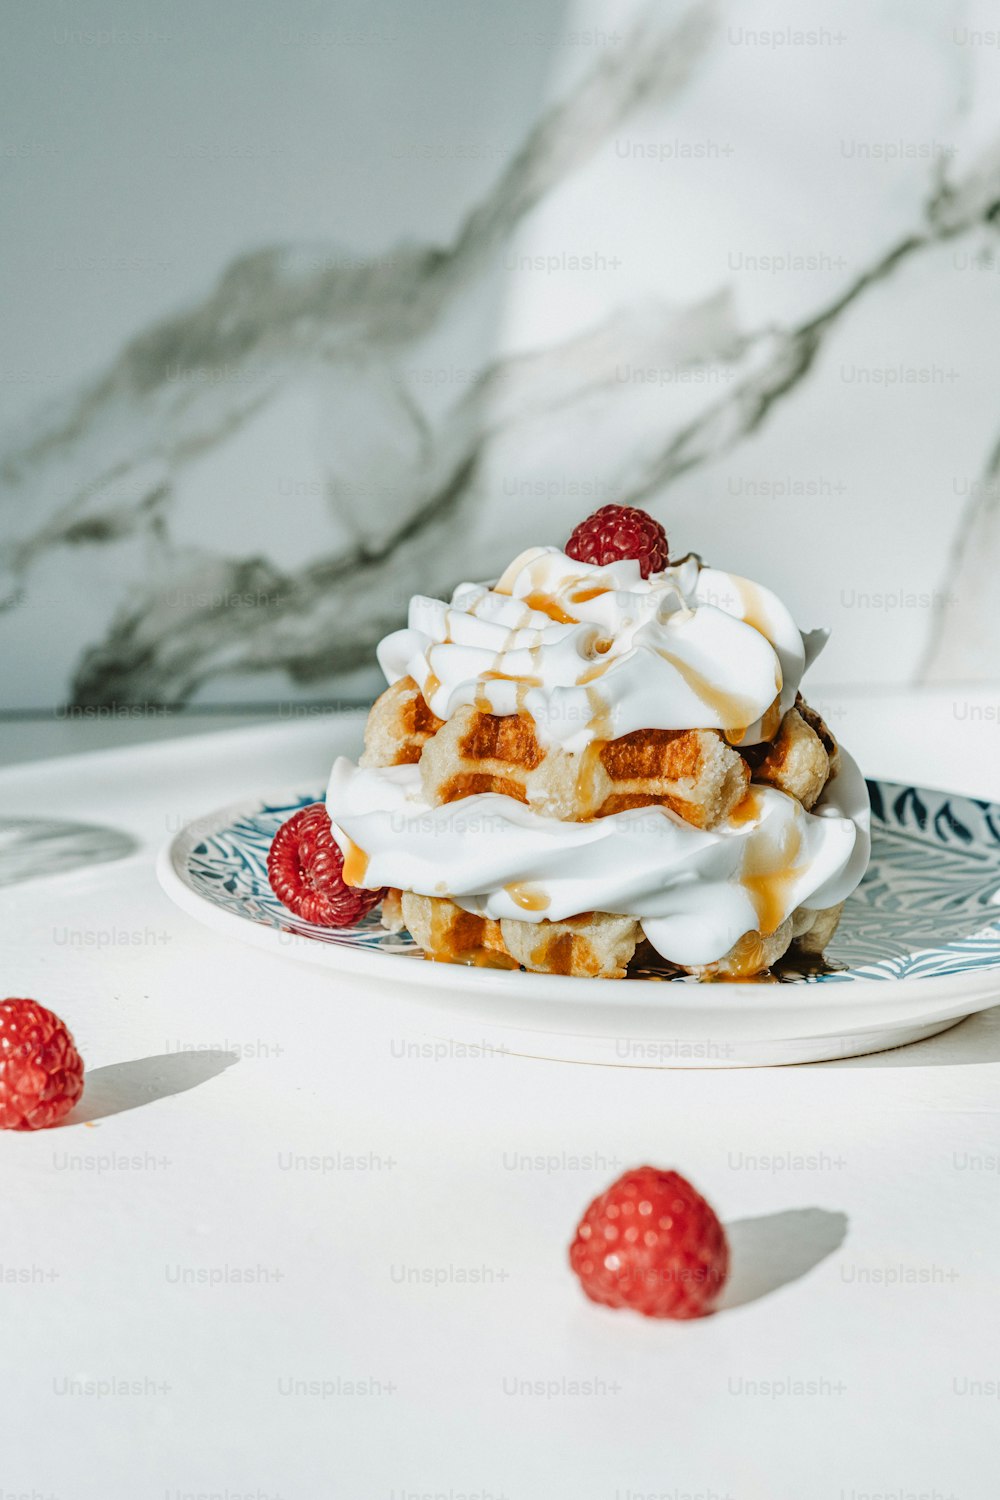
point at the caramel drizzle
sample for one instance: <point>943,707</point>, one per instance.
<point>727,705</point>
<point>769,872</point>
<point>753,607</point>
<point>600,715</point>
<point>772,719</point>
<point>592,673</point>
<point>546,605</point>
<point>355,864</point>
<point>747,810</point>
<point>584,596</point>
<point>591,779</point>
<point>527,681</point>
<point>528,897</point>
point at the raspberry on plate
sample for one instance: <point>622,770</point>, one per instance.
<point>41,1072</point>
<point>652,1243</point>
<point>306,870</point>
<point>618,531</point>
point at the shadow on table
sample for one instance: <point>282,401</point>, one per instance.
<point>974,1040</point>
<point>35,848</point>
<point>769,1252</point>
<point>142,1080</point>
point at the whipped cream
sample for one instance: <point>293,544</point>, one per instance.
<point>695,891</point>
<point>592,653</point>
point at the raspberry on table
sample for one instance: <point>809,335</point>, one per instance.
<point>41,1072</point>
<point>650,1242</point>
<point>306,870</point>
<point>620,531</point>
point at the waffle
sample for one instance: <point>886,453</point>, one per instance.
<point>796,761</point>
<point>807,931</point>
<point>694,772</point>
<point>819,728</point>
<point>594,945</point>
<point>392,911</point>
<point>451,935</point>
<point>751,954</point>
<point>399,726</point>
<point>814,929</point>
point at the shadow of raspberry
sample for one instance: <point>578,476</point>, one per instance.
<point>143,1080</point>
<point>770,1252</point>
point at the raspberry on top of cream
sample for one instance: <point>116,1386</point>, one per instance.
<point>595,652</point>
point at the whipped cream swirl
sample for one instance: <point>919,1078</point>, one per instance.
<point>593,653</point>
<point>696,891</point>
<point>597,652</point>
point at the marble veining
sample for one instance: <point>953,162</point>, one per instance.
<point>380,487</point>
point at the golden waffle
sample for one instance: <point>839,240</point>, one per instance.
<point>453,936</point>
<point>399,726</point>
<point>693,772</point>
<point>796,761</point>
<point>751,954</point>
<point>597,944</point>
<point>819,728</point>
<point>476,752</point>
<point>814,929</point>
<point>594,945</point>
<point>392,911</point>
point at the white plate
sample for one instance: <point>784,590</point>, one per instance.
<point>918,949</point>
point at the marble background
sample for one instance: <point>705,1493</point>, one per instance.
<point>310,307</point>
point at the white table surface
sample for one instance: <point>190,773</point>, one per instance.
<point>293,1245</point>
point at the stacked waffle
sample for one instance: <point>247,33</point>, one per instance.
<point>578,761</point>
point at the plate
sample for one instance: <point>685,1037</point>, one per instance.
<point>918,949</point>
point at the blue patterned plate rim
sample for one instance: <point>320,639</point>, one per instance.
<point>928,908</point>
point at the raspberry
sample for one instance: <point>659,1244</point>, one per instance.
<point>650,1242</point>
<point>41,1072</point>
<point>306,871</point>
<point>617,531</point>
